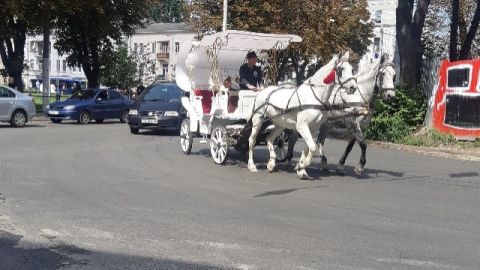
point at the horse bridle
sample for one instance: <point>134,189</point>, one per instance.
<point>338,74</point>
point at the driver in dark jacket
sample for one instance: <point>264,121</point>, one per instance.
<point>250,73</point>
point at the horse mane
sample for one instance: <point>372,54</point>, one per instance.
<point>323,72</point>
<point>366,72</point>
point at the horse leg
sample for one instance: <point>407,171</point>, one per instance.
<point>308,153</point>
<point>291,146</point>
<point>360,168</point>
<point>252,141</point>
<point>341,164</point>
<point>321,142</point>
<point>271,148</point>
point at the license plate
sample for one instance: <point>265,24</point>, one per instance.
<point>149,121</point>
<point>54,112</point>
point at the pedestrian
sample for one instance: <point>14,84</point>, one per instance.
<point>11,83</point>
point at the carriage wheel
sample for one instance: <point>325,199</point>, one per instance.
<point>219,145</point>
<point>186,137</point>
<point>282,145</point>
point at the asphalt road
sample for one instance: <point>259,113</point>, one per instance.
<point>96,197</point>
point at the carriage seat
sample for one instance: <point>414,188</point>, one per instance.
<point>206,96</point>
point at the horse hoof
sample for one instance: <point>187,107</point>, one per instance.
<point>303,175</point>
<point>253,169</point>
<point>271,167</point>
<point>359,171</point>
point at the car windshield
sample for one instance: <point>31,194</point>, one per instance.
<point>83,95</point>
<point>163,93</point>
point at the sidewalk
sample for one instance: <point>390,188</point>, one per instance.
<point>446,152</point>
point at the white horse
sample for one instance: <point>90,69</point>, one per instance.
<point>376,79</point>
<point>302,109</point>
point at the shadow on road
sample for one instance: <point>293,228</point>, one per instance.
<point>62,256</point>
<point>286,191</point>
<point>27,126</point>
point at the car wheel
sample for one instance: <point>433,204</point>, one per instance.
<point>186,137</point>
<point>84,118</point>
<point>56,121</point>
<point>99,120</point>
<point>19,119</point>
<point>124,118</point>
<point>134,130</point>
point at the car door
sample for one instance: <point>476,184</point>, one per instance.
<point>7,103</point>
<point>115,101</point>
<point>100,105</point>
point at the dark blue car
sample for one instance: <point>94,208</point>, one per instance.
<point>86,105</point>
<point>158,107</point>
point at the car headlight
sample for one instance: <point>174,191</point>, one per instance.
<point>47,107</point>
<point>133,112</point>
<point>69,107</point>
<point>171,113</point>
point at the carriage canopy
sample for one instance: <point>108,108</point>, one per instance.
<point>202,64</point>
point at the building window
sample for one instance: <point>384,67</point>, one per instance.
<point>58,66</point>
<point>74,69</point>
<point>154,47</point>
<point>79,68</point>
<point>141,48</point>
<point>165,70</point>
<point>376,48</point>
<point>64,66</point>
<point>177,47</point>
<point>32,64</point>
<point>378,16</point>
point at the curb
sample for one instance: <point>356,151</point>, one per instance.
<point>430,151</point>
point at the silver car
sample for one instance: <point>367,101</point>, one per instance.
<point>15,107</point>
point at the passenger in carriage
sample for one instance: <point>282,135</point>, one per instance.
<point>232,94</point>
<point>250,73</point>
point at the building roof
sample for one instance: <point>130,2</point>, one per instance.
<point>161,28</point>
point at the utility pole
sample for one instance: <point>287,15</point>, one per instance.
<point>225,14</point>
<point>46,66</point>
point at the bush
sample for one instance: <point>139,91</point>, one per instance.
<point>394,120</point>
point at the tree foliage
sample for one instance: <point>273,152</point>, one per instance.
<point>326,26</point>
<point>168,11</point>
<point>89,30</point>
<point>121,70</point>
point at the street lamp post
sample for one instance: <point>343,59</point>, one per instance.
<point>225,14</point>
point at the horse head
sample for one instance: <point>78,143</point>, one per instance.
<point>386,78</point>
<point>344,74</point>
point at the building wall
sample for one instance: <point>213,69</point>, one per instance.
<point>384,39</point>
<point>58,65</point>
<point>160,48</point>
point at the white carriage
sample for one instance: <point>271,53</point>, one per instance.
<point>216,114</point>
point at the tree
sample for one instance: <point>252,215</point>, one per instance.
<point>14,19</point>
<point>437,38</point>
<point>121,71</point>
<point>410,24</point>
<point>168,11</point>
<point>89,30</point>
<point>326,26</point>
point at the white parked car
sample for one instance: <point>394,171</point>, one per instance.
<point>15,108</point>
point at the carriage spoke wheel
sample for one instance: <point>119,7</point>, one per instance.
<point>219,145</point>
<point>281,147</point>
<point>186,138</point>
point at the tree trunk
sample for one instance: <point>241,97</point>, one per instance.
<point>46,67</point>
<point>454,30</point>
<point>409,37</point>
<point>13,58</point>
<point>467,43</point>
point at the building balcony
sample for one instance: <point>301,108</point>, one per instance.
<point>163,56</point>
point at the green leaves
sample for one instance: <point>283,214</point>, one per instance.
<point>120,70</point>
<point>398,118</point>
